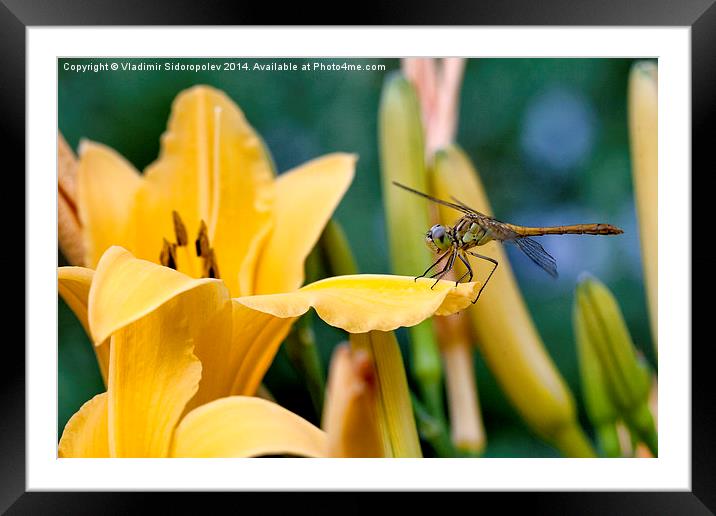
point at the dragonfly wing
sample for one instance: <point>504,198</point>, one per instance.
<point>467,209</point>
<point>458,207</point>
<point>537,254</point>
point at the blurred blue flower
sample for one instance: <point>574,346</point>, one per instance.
<point>558,130</point>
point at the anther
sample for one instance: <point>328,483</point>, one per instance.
<point>164,254</point>
<point>168,256</point>
<point>179,230</point>
<point>202,241</point>
<point>211,268</point>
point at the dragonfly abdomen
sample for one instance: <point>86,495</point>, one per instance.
<point>575,229</point>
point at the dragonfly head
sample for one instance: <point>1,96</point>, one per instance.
<point>438,238</point>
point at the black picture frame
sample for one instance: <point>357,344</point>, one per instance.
<point>17,15</point>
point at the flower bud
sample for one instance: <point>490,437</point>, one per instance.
<point>402,157</point>
<point>643,139</point>
<point>626,375</point>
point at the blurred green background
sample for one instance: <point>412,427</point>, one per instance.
<point>548,136</point>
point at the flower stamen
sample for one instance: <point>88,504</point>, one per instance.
<point>186,261</point>
<point>202,241</point>
<point>168,256</point>
<point>211,268</point>
<point>179,229</point>
<point>206,253</point>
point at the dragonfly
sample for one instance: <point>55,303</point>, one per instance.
<point>475,229</point>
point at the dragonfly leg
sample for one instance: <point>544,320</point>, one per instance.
<point>467,273</point>
<point>494,262</point>
<point>445,270</point>
<point>447,267</point>
<point>433,265</point>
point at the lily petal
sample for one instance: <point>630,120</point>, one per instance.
<point>107,185</point>
<point>242,426</point>
<point>366,302</point>
<point>73,284</point>
<point>217,352</point>
<point>305,200</point>
<point>236,346</point>
<point>236,349</point>
<point>126,288</point>
<point>257,336</point>
<point>153,372</point>
<point>85,434</point>
<point>212,167</point>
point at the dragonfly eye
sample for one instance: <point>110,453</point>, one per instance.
<point>438,238</point>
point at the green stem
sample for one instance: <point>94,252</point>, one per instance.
<point>427,368</point>
<point>337,253</point>
<point>641,423</point>
<point>572,442</point>
<point>608,440</point>
<point>303,354</point>
<point>432,430</point>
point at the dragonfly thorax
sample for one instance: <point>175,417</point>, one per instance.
<point>439,238</point>
<point>468,233</point>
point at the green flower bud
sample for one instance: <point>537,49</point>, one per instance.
<point>625,377</point>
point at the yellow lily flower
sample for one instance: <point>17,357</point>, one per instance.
<point>182,353</point>
<point>154,370</point>
<point>210,206</point>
